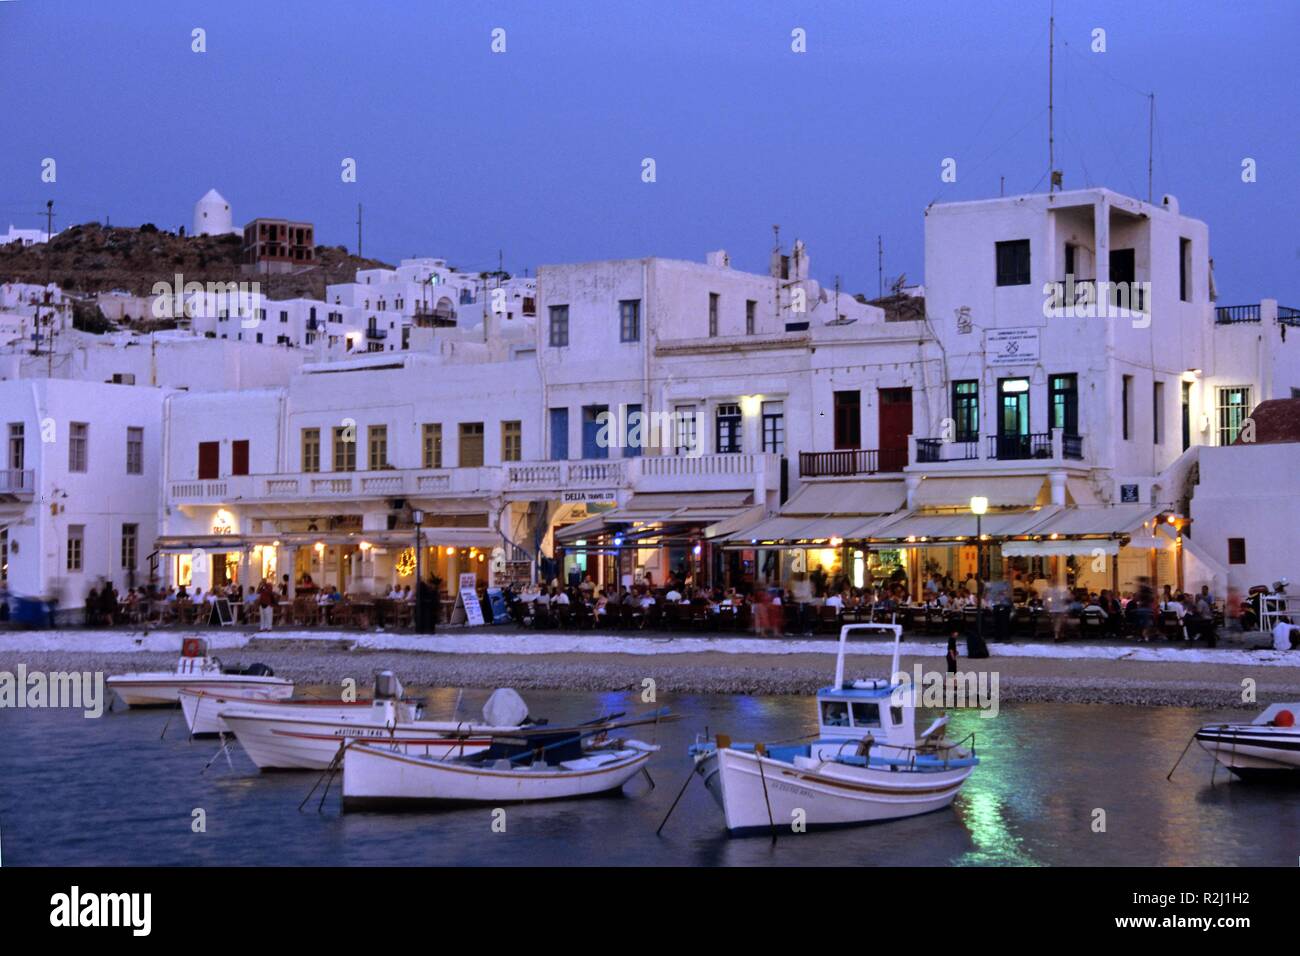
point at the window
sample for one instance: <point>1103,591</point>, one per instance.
<point>284,316</point>
<point>1187,414</point>
<point>713,314</point>
<point>76,546</point>
<point>471,444</point>
<point>345,448</point>
<point>595,436</point>
<point>559,326</point>
<point>1125,405</point>
<point>377,447</point>
<point>17,446</point>
<point>687,442</point>
<point>966,409</point>
<point>209,459</point>
<point>432,445</point>
<point>1236,550</point>
<point>629,320</point>
<point>1013,418</point>
<point>239,457</point>
<point>311,449</point>
<point>1013,262</point>
<point>1157,412</point>
<point>848,419</point>
<point>78,442</point>
<point>1063,403</point>
<point>774,427</point>
<point>130,545</point>
<point>559,434</point>
<point>634,436</point>
<point>727,430</point>
<point>751,307</point>
<point>1233,407</point>
<point>866,714</point>
<point>1185,269</point>
<point>512,441</point>
<point>4,556</point>
<point>835,713</point>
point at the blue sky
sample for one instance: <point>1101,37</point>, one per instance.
<point>537,151</point>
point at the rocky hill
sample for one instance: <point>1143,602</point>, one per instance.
<point>94,258</point>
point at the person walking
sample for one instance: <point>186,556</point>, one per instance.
<point>266,605</point>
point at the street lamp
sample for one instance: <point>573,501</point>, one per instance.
<point>979,505</point>
<point>418,518</point>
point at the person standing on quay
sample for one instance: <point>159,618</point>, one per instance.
<point>266,605</point>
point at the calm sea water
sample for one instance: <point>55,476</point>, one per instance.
<point>110,792</point>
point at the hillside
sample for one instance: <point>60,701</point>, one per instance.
<point>92,258</point>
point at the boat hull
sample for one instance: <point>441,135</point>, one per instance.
<point>163,690</point>
<point>822,795</point>
<point>1254,751</point>
<point>276,741</point>
<point>376,777</point>
<point>202,708</point>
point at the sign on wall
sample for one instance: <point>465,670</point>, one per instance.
<point>585,497</point>
<point>1011,346</point>
<point>1129,494</point>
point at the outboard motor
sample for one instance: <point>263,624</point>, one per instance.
<point>388,695</point>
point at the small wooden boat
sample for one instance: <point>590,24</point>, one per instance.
<point>1267,748</point>
<point>279,738</point>
<point>866,765</point>
<point>197,670</point>
<point>202,708</point>
<point>550,764</point>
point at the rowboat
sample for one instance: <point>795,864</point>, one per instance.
<point>1267,748</point>
<point>867,764</point>
<point>197,670</point>
<point>202,708</point>
<point>556,764</point>
<point>276,738</point>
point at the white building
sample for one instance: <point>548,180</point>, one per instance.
<point>28,237</point>
<point>78,494</point>
<point>212,216</point>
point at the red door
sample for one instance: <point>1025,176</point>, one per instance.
<point>895,426</point>
<point>209,459</point>
<point>239,457</point>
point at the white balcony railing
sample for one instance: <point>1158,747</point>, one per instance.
<point>17,481</point>
<point>649,473</point>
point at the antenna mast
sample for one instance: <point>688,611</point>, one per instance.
<point>1051,128</point>
<point>880,267</point>
<point>1151,138</point>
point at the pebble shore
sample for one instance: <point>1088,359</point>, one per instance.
<point>1101,681</point>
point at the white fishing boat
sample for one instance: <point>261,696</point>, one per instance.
<point>867,764</point>
<point>1267,748</point>
<point>202,708</point>
<point>277,739</point>
<point>555,764</point>
<point>197,670</point>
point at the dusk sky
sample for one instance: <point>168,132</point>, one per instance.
<point>537,151</point>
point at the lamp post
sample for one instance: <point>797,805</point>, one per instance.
<point>978,506</point>
<point>420,614</point>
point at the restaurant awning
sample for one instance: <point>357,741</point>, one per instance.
<point>436,536</point>
<point>822,510</point>
<point>666,515</point>
<point>1059,549</point>
<point>1017,491</point>
<point>1101,521</point>
<point>913,529</point>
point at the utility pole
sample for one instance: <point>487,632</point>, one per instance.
<point>358,230</point>
<point>880,266</point>
<point>49,238</point>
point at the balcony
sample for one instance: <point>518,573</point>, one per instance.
<point>17,483</point>
<point>931,450</point>
<point>376,333</point>
<point>336,486</point>
<point>1236,314</point>
<point>851,461</point>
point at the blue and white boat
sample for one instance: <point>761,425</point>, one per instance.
<point>867,764</point>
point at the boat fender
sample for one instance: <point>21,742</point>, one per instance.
<point>1284,718</point>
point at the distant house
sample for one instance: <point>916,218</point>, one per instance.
<point>278,245</point>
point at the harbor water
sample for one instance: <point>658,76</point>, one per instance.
<point>1058,784</point>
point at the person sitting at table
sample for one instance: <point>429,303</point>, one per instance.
<point>836,601</point>
<point>647,599</point>
<point>408,595</point>
<point>673,596</point>
<point>559,597</point>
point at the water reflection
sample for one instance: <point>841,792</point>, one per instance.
<point>109,792</point>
